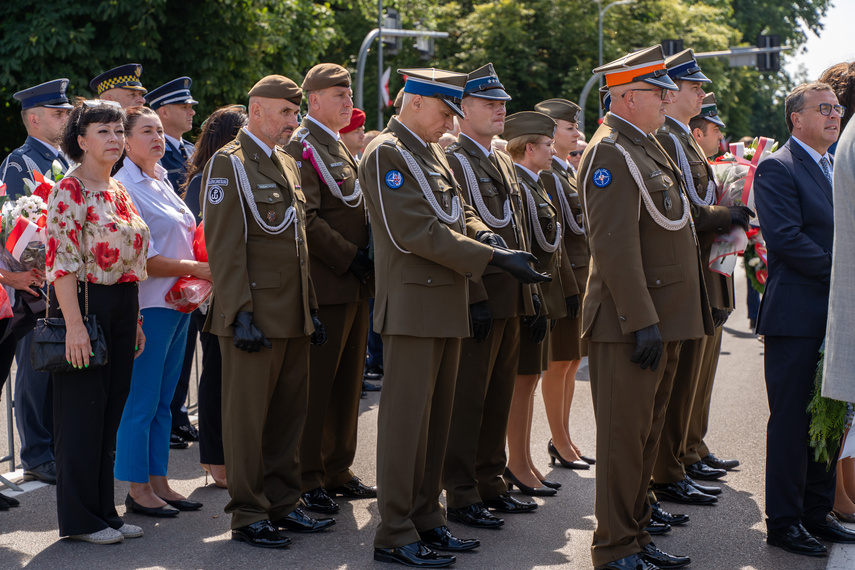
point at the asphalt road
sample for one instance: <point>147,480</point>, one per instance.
<point>727,536</point>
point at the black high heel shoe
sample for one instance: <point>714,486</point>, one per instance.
<point>551,484</point>
<point>555,456</point>
<point>511,480</point>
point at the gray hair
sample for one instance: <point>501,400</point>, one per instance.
<point>795,101</point>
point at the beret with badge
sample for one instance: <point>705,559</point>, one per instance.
<point>277,87</point>
<point>326,75</point>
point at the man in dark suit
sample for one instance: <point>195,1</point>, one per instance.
<point>794,204</point>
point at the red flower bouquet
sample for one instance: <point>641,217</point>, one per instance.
<point>190,292</point>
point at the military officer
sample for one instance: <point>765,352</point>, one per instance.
<point>424,254</point>
<point>645,295</point>
<point>174,105</point>
<point>353,134</point>
<point>475,456</point>
<point>120,84</point>
<point>264,312</point>
<point>337,229</point>
<point>707,127</point>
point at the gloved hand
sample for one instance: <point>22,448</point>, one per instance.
<point>648,347</point>
<point>319,337</point>
<point>362,266</point>
<point>719,316</point>
<point>536,323</point>
<point>491,238</point>
<point>740,215</point>
<point>482,320</point>
<point>247,336</point>
<point>535,300</point>
<point>517,264</point>
<point>573,306</point>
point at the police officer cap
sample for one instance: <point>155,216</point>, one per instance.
<point>125,76</point>
<point>709,111</point>
<point>50,94</point>
<point>447,86</point>
<point>326,75</point>
<point>485,84</point>
<point>684,67</point>
<point>647,65</point>
<point>277,87</point>
<point>528,123</point>
<point>176,92</point>
<point>560,109</point>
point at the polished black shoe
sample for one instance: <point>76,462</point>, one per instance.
<point>318,500</point>
<point>298,521</point>
<point>716,463</point>
<point>662,559</point>
<point>177,442</point>
<point>555,456</point>
<point>661,515</point>
<point>588,460</point>
<point>183,504</point>
<point>551,484</point>
<point>655,528</point>
<point>682,492</point>
<point>706,489</point>
<point>511,480</point>
<point>355,489</point>
<point>186,432</point>
<point>4,504</point>
<point>414,554</point>
<point>162,512</point>
<point>8,501</point>
<point>506,504</point>
<point>704,472</point>
<point>440,538</point>
<point>475,515</point>
<point>632,562</point>
<point>796,539</point>
<point>262,534</point>
<point>831,530</point>
<point>373,374</point>
<point>46,473</point>
<point>369,387</point>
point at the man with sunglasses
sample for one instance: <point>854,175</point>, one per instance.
<point>794,201</point>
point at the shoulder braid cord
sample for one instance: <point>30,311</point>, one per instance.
<point>690,181</point>
<point>535,224</point>
<point>569,217</point>
<point>478,200</point>
<point>31,166</point>
<point>352,201</point>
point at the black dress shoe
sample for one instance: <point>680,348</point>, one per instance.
<point>369,387</point>
<point>704,472</point>
<point>414,554</point>
<point>11,501</point>
<point>186,432</point>
<point>662,559</point>
<point>134,507</point>
<point>177,442</point>
<point>440,538</point>
<point>261,533</point>
<point>506,504</point>
<point>373,374</point>
<point>682,492</point>
<point>796,539</point>
<point>355,489</point>
<point>46,473</point>
<point>475,515</point>
<point>511,480</point>
<point>551,484</point>
<point>298,521</point>
<point>183,504</point>
<point>706,489</point>
<point>4,504</point>
<point>716,463</point>
<point>663,516</point>
<point>588,460</point>
<point>632,562</point>
<point>555,456</point>
<point>831,530</point>
<point>655,527</point>
<point>318,501</point>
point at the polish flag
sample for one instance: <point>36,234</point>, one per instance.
<point>384,92</point>
<point>21,235</point>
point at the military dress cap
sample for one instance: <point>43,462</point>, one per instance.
<point>357,119</point>
<point>50,94</point>
<point>684,67</point>
<point>485,84</point>
<point>709,111</point>
<point>399,99</point>
<point>277,87</point>
<point>605,98</point>
<point>176,92</point>
<point>647,65</point>
<point>326,75</point>
<point>528,123</point>
<point>560,109</point>
<point>447,86</point>
<point>125,76</point>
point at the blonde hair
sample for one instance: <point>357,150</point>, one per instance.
<point>517,145</point>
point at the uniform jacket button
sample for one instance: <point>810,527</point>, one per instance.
<point>253,283</point>
<point>572,265</point>
<point>659,282</point>
<point>622,318</point>
<point>468,275</point>
<point>430,280</point>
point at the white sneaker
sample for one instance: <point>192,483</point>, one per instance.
<point>104,536</point>
<point>131,531</point>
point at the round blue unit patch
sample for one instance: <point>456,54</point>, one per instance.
<point>394,179</point>
<point>602,177</point>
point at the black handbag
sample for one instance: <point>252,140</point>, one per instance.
<point>47,352</point>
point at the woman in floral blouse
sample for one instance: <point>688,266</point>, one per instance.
<point>97,247</point>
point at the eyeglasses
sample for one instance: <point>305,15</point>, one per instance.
<point>663,93</point>
<point>826,108</point>
<point>550,144</point>
<point>99,102</point>
<point>576,152</point>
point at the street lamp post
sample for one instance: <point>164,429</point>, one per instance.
<point>602,13</point>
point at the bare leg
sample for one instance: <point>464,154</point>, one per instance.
<point>161,488</point>
<point>519,430</point>
<point>559,382</point>
<point>144,495</point>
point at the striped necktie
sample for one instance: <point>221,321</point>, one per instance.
<point>183,150</point>
<point>826,169</point>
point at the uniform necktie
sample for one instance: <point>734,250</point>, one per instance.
<point>826,169</point>
<point>183,150</point>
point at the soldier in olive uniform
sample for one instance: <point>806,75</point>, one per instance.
<point>264,311</point>
<point>337,228</point>
<point>645,295</point>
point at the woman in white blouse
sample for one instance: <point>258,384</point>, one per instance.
<point>142,446</point>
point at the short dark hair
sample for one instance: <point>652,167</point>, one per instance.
<point>841,77</point>
<point>796,99</point>
<point>699,123</point>
<point>78,123</point>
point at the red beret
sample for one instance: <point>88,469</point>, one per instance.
<point>356,121</point>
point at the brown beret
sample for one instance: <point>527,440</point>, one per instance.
<point>528,123</point>
<point>559,109</point>
<point>326,75</point>
<point>277,87</point>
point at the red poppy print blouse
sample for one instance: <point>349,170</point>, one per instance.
<point>99,236</point>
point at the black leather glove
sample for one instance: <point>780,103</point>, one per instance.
<point>246,335</point>
<point>362,266</point>
<point>491,238</point>
<point>740,215</point>
<point>535,300</point>
<point>536,323</point>
<point>648,347</point>
<point>516,263</point>
<point>573,306</point>
<point>719,316</point>
<point>482,320</point>
<point>319,337</point>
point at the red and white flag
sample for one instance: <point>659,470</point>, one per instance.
<point>384,92</point>
<point>21,235</point>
